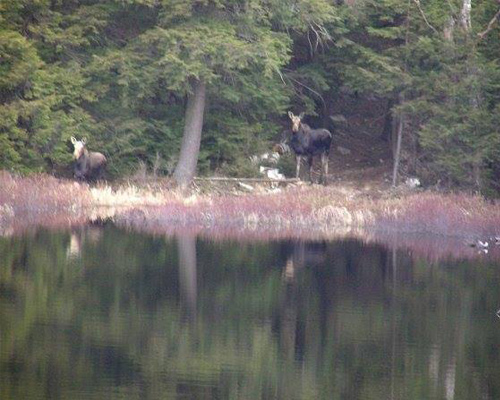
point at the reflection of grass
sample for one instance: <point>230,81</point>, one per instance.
<point>45,200</point>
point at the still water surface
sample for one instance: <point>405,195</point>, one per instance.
<point>102,313</point>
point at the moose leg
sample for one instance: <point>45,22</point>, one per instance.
<point>297,170</point>
<point>310,162</point>
<point>324,167</point>
<point>327,159</point>
<point>99,174</point>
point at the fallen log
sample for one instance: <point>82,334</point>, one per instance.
<point>223,179</point>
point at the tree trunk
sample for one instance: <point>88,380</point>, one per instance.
<point>473,72</point>
<point>465,20</point>
<point>449,28</point>
<point>397,154</point>
<point>386,134</point>
<point>190,146</point>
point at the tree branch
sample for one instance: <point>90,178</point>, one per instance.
<point>308,88</point>
<point>417,2</point>
<point>481,35</point>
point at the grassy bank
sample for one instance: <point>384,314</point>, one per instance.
<point>292,211</point>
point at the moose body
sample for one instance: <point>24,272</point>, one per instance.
<point>89,165</point>
<point>307,142</point>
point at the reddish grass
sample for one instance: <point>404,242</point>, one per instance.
<point>330,209</point>
<point>298,211</point>
<point>39,200</point>
<point>455,215</point>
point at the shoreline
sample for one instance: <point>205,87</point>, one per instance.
<point>299,211</point>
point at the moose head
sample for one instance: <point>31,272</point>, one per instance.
<point>79,147</point>
<point>296,119</point>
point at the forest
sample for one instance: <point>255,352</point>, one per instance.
<point>185,86</point>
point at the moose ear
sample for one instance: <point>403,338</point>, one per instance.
<point>301,115</point>
<point>290,114</point>
<point>73,140</point>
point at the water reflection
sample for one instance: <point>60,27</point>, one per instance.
<point>79,236</point>
<point>105,313</point>
<point>186,247</point>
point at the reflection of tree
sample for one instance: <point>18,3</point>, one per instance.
<point>75,246</point>
<point>394,262</point>
<point>186,247</point>
<point>288,326</point>
<point>289,310</point>
<point>300,256</point>
<point>79,236</point>
<point>328,320</point>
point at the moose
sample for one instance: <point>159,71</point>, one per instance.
<point>307,142</point>
<point>89,165</point>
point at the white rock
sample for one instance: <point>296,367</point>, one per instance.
<point>271,173</point>
<point>343,151</point>
<point>412,183</point>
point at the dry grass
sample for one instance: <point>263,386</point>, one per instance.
<point>443,214</point>
<point>126,196</point>
<point>330,209</point>
<point>293,211</point>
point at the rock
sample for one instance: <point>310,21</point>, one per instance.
<point>343,151</point>
<point>271,173</point>
<point>269,158</point>
<point>338,118</point>
<point>412,182</point>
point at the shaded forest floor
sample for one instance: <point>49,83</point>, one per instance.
<point>367,165</point>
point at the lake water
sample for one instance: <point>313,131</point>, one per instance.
<point>102,313</point>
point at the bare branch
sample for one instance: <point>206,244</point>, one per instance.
<point>318,39</point>
<point>308,88</point>
<point>481,35</point>
<point>322,35</point>
<point>310,44</point>
<point>281,76</point>
<point>417,2</point>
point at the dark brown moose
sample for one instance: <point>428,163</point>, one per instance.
<point>307,142</point>
<point>89,165</point>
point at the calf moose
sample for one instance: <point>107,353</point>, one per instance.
<point>308,142</point>
<point>89,166</point>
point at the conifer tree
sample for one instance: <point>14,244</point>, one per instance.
<point>138,77</point>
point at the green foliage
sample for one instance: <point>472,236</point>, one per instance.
<point>118,73</point>
<point>450,101</point>
<point>447,88</point>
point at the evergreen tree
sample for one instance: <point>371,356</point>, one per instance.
<point>43,87</point>
<point>137,77</point>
